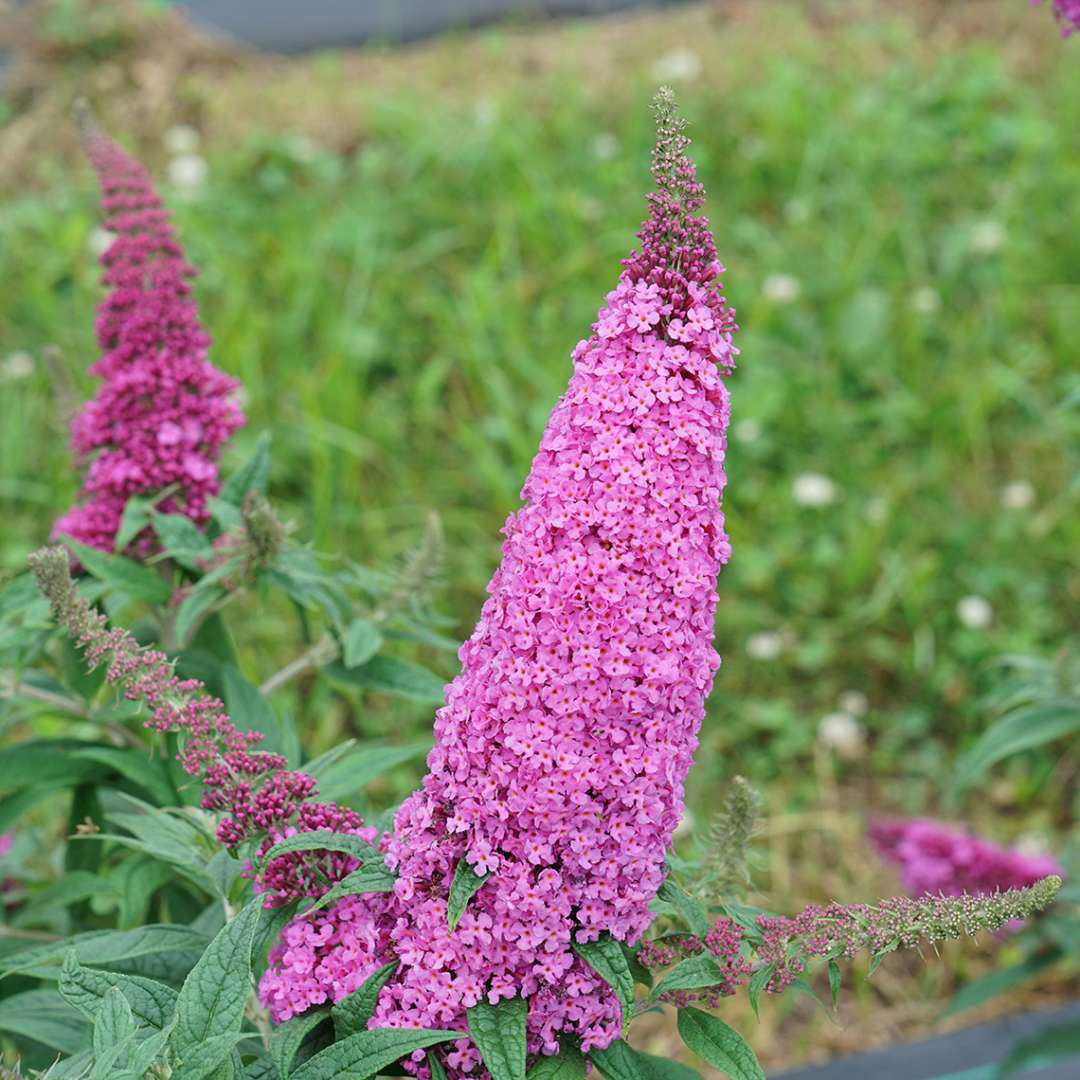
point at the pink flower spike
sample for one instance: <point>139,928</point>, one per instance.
<point>561,752</point>
<point>163,412</point>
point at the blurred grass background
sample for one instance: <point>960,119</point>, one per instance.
<point>399,249</point>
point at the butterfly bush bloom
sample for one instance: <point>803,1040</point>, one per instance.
<point>936,859</point>
<point>1068,15</point>
<point>561,752</point>
<point>163,411</point>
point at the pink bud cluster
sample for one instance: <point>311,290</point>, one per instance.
<point>724,942</point>
<point>1068,15</point>
<point>934,858</point>
<point>259,796</point>
<point>781,946</point>
<point>560,755</point>
<point>163,411</point>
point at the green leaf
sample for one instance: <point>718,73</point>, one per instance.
<point>285,1040</point>
<point>72,888</point>
<point>1060,1041</point>
<point>137,879</point>
<point>351,1014</point>
<point>465,884</point>
<point>261,1068</point>
<point>373,877</point>
<point>182,540</point>
<point>72,1068</point>
<point>605,956</point>
<point>758,981</point>
<point>193,607</point>
<point>249,710</point>
<point>1023,729</point>
<point>640,973</point>
<point>101,947</point>
<point>697,918</point>
<point>45,1017</point>
<point>834,982</point>
<point>136,766</point>
<point>149,1051</point>
<point>567,1064</point>
<point>114,1033</point>
<point>323,840</point>
<point>998,982</point>
<point>354,770</point>
<point>719,1044</point>
<point>362,640</point>
<point>152,1003</point>
<point>214,994</point>
<point>499,1034</point>
<point>168,837</point>
<point>122,574</point>
<point>47,761</point>
<point>206,1058</point>
<point>431,1060</point>
<point>389,675</point>
<point>665,1069</point>
<point>362,1055</point>
<point>133,520</point>
<point>251,476</point>
<point>620,1061</point>
<point>691,974</point>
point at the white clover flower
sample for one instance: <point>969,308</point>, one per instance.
<point>604,146</point>
<point>975,612</point>
<point>17,366</point>
<point>926,300</point>
<point>797,210</point>
<point>752,147</point>
<point>841,732</point>
<point>181,139</point>
<point>854,703</point>
<point>813,490</point>
<point>1017,495</point>
<point>485,112</point>
<point>877,510</point>
<point>187,173</point>
<point>987,237</point>
<point>765,645</point>
<point>781,288</point>
<point>678,65</point>
<point>748,430</point>
<point>99,241</point>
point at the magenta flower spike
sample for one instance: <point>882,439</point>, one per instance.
<point>163,412</point>
<point>1068,15</point>
<point>560,755</point>
<point>935,859</point>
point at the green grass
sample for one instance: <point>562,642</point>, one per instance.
<point>402,318</point>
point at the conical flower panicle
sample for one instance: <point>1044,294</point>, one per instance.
<point>163,412</point>
<point>561,752</point>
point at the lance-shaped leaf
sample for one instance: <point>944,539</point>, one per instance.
<point>462,889</point>
<point>212,999</point>
<point>499,1034</point>
<point>362,1055</point>
<point>606,957</point>
<point>351,1014</point>
<point>152,1003</point>
<point>719,1044</point>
